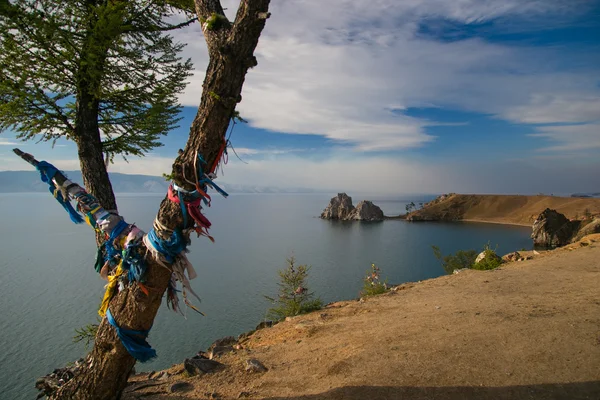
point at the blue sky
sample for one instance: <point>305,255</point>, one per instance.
<point>406,96</point>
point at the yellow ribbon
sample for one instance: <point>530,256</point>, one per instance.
<point>110,290</point>
<point>90,215</point>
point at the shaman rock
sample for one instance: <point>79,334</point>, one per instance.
<point>366,211</point>
<point>339,207</point>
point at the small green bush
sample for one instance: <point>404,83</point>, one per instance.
<point>372,284</point>
<point>294,297</point>
<point>491,260</point>
<point>86,334</point>
<point>459,260</point>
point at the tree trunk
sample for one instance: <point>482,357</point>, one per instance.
<point>87,132</point>
<point>89,149</point>
<point>231,48</point>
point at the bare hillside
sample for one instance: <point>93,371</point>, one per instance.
<point>506,209</point>
<point>529,330</point>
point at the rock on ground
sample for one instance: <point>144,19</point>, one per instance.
<point>553,229</point>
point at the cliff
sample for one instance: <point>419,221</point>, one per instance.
<point>505,209</point>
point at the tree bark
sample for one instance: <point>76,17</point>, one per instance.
<point>89,150</point>
<point>231,50</point>
<point>87,132</point>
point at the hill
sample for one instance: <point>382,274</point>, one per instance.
<point>504,209</point>
<point>528,330</point>
<point>29,181</point>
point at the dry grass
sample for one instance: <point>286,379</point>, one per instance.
<point>506,209</point>
<point>529,330</point>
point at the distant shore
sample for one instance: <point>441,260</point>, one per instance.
<point>501,209</point>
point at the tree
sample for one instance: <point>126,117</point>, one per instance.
<point>294,297</point>
<point>231,50</point>
<point>372,284</point>
<point>461,259</point>
<point>410,206</point>
<point>104,74</point>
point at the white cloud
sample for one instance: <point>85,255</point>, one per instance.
<point>5,142</point>
<point>244,151</point>
<point>571,137</point>
<point>336,68</point>
<point>550,108</point>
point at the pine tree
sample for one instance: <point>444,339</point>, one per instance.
<point>231,48</point>
<point>104,74</point>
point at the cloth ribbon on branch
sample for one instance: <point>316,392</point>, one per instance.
<point>173,251</point>
<point>134,341</point>
<point>47,172</point>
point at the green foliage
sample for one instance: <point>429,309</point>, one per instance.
<point>466,259</point>
<point>87,333</point>
<point>236,117</point>
<point>411,206</point>
<point>372,284</point>
<point>107,66</point>
<point>459,260</point>
<point>215,22</point>
<point>294,297</point>
<point>491,260</point>
<point>214,96</point>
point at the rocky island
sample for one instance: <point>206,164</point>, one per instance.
<point>341,208</point>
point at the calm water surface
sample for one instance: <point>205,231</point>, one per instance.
<point>49,287</point>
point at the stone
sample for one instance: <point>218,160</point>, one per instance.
<point>180,387</point>
<point>339,207</point>
<point>263,325</point>
<point>510,257</point>
<point>245,335</point>
<point>588,229</point>
<point>225,341</point>
<point>458,271</point>
<point>366,211</point>
<point>219,350</point>
<point>198,366</point>
<point>553,229</point>
<point>161,376</point>
<point>243,395</point>
<point>253,365</point>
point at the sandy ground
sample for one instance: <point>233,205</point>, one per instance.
<point>529,330</point>
<point>509,209</point>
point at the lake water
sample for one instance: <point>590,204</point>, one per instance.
<point>49,287</point>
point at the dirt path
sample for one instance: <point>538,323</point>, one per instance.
<point>530,330</point>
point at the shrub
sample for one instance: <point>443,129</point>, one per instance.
<point>459,260</point>
<point>86,333</point>
<point>490,260</point>
<point>294,297</point>
<point>372,284</point>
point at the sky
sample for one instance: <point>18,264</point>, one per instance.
<point>402,97</point>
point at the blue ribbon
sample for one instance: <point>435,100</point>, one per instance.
<point>47,172</point>
<point>111,252</point>
<point>134,341</point>
<point>168,248</point>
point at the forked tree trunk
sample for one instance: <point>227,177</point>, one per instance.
<point>231,50</point>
